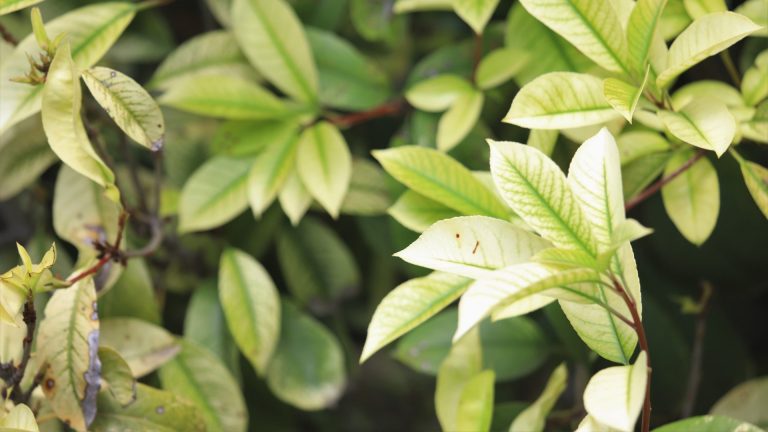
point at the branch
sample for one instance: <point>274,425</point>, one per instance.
<point>652,189</point>
<point>7,36</point>
<point>388,109</point>
<point>477,54</point>
<point>733,71</point>
<point>694,376</point>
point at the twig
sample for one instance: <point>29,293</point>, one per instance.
<point>390,108</point>
<point>694,376</point>
<point>7,36</point>
<point>731,67</point>
<point>648,192</point>
<point>477,54</point>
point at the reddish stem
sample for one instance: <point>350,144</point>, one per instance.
<point>390,108</point>
<point>647,193</point>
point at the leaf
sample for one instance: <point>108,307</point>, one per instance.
<point>623,96</point>
<point>699,41</point>
<point>441,178</point>
<point>638,174</point>
<point>128,104</point>
<point>68,341</point>
<point>8,6</point>
<point>437,93</point>
<point>543,140</point>
<point>513,347</point>
<point>272,37</point>
<point>368,194</point>
<point>537,190</point>
<point>132,296</point>
<point>756,179</point>
<point>634,145</point>
<point>213,53</point>
<point>753,9</point>
<point>116,377</point>
<point>199,377</point>
<point>500,65</point>
<point>476,13</point>
<point>533,418</point>
<point>226,96</point>
<point>22,163</point>
<point>698,8</point>
<point>294,197</point>
<point>754,84</point>
<point>417,212</point>
<point>250,138</point>
<point>347,79</point>
<point>704,123</point>
<point>409,305</point>
<point>153,409</point>
<point>475,409</point>
<point>591,26</point>
<point>692,200</point>
<point>405,6</point>
<point>642,29</point>
<point>307,370</point>
<point>560,100</point>
<point>459,120</point>
<point>318,267</point>
<point>463,363</point>
<point>325,165</point>
<point>214,194</point>
<point>472,246</point>
<point>614,396</point>
<point>64,128</point>
<point>91,31</point>
<point>144,346</point>
<point>206,325</point>
<point>251,305</point>
<point>708,424</point>
<point>12,335</point>
<point>19,419</point>
<point>272,167</point>
<point>745,402</point>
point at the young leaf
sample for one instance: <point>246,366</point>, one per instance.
<point>499,66</point>
<point>294,197</point>
<point>91,31</point>
<point>704,123</point>
<point>325,165</point>
<point>472,246</point>
<point>614,396</point>
<point>409,305</point>
<point>754,84</point>
<point>708,424</point>
<point>68,341</point>
<point>692,200</point>
<point>623,96</point>
<point>307,370</point>
<point>144,346</point>
<point>8,6</point>
<point>272,37</point>
<point>476,13</point>
<point>441,178</point>
<point>215,194</point>
<point>271,168</point>
<point>128,104</point>
<point>756,179</point>
<point>199,377</point>
<point>251,305</point>
<point>462,364</point>
<point>437,93</point>
<point>212,53</point>
<point>642,29</point>
<point>63,125</point>
<point>705,37</point>
<point>592,26</point>
<point>698,8</point>
<point>560,100</point>
<point>459,120</point>
<point>475,409</point>
<point>533,418</point>
<point>417,212</point>
<point>536,190</point>
<point>116,376</point>
<point>226,97</point>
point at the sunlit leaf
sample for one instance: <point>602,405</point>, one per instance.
<point>325,165</point>
<point>756,178</point>
<point>437,93</point>
<point>745,402</point>
<point>614,396</point>
<point>462,364</point>
<point>623,96</point>
<point>704,123</point>
<point>459,120</point>
<point>642,28</point>
<point>8,6</point>
<point>272,167</point>
<point>19,419</point>
<point>698,8</point>
<point>144,346</point>
<point>476,13</point>
<point>475,408</point>
<point>294,197</point>
<point>708,424</point>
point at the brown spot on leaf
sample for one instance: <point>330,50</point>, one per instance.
<point>50,384</point>
<point>477,243</point>
<point>458,235</point>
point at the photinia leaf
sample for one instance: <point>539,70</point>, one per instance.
<point>463,363</point>
<point>756,179</point>
<point>745,402</point>
<point>698,8</point>
<point>294,197</point>
<point>368,193</point>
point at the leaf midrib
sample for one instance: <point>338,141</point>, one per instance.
<point>597,35</point>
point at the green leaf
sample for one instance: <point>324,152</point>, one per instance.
<point>8,6</point>
<point>560,100</point>
<point>199,377</point>
<point>325,165</point>
<point>462,364</point>
<point>513,347</point>
<point>472,246</point>
<point>698,8</point>
<point>294,197</point>
<point>437,93</point>
<point>144,346</point>
<point>271,35</point>
<point>638,174</point>
<point>754,84</point>
<point>318,267</point>
<point>634,145</point>
<point>543,139</point>
<point>348,80</point>
<point>614,396</point>
<point>91,31</point>
<point>692,199</point>
<point>133,295</point>
<point>708,424</point>
<point>251,305</point>
<point>116,376</point>
<point>128,104</point>
<point>475,409</point>
<point>215,194</point>
<point>745,402</point>
<point>409,305</point>
<point>499,66</point>
<point>533,418</point>
<point>206,325</point>
<point>307,370</point>
<point>459,120</point>
<point>592,26</point>
<point>476,13</point>
<point>755,10</point>
<point>368,193</point>
<point>642,29</point>
<point>699,41</point>
<point>272,167</point>
<point>623,96</point>
<point>226,96</point>
<point>441,178</point>
<point>19,419</point>
<point>704,123</point>
<point>22,163</point>
<point>404,6</point>
<point>213,53</point>
<point>537,190</point>
<point>417,212</point>
<point>63,125</point>
<point>153,409</point>
<point>756,179</point>
<point>68,341</point>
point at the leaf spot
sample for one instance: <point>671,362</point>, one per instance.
<point>474,250</point>
<point>160,410</point>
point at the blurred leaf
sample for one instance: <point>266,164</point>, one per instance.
<point>23,160</point>
<point>754,84</point>
<point>144,346</point>
<point>417,212</point>
<point>708,424</point>
<point>533,418</point>
<point>116,377</point>
<point>500,65</point>
<point>614,396</point>
<point>476,13</point>
<point>459,120</point>
<point>475,409</point>
<point>745,402</point>
<point>754,10</point>
<point>294,197</point>
<point>756,179</point>
<point>698,8</point>
<point>8,6</point>
<point>324,165</point>
<point>463,363</point>
<point>438,93</point>
<point>272,166</point>
<point>19,419</point>
<point>132,296</point>
<point>368,194</point>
